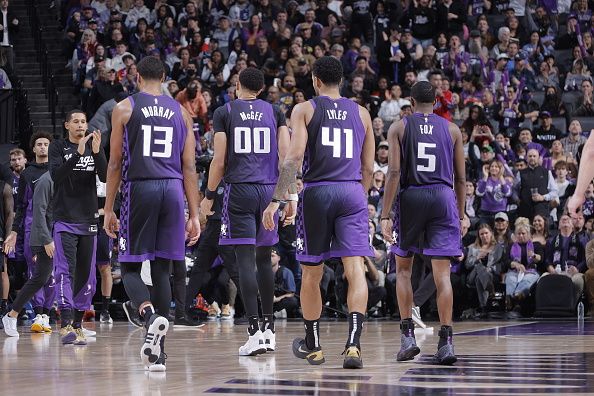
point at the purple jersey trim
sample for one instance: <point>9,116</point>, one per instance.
<point>453,252</point>
<point>268,243</point>
<point>228,106</point>
<point>313,103</point>
<point>334,254</point>
<point>131,101</point>
<point>237,241</point>
<point>328,183</point>
<point>77,229</point>
<point>401,253</point>
<point>139,258</point>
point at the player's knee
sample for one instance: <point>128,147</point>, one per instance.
<point>312,274</point>
<point>403,272</point>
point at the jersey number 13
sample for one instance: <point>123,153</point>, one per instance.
<point>162,144</point>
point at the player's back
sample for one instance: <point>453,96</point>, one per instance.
<point>335,141</point>
<point>252,141</point>
<point>427,151</point>
<point>154,139</point>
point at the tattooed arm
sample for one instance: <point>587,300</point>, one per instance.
<point>301,113</point>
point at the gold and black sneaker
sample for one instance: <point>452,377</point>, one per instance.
<point>313,356</point>
<point>352,358</point>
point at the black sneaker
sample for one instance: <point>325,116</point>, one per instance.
<point>445,355</point>
<point>313,356</point>
<point>352,358</point>
<point>186,322</point>
<point>408,344</point>
<point>132,314</point>
<point>104,317</point>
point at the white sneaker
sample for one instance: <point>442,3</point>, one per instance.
<point>214,311</point>
<point>37,326</point>
<point>47,328</point>
<point>269,340</point>
<point>89,333</point>
<point>416,317</point>
<point>254,346</point>
<point>10,326</point>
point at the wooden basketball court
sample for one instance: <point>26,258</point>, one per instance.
<point>511,358</point>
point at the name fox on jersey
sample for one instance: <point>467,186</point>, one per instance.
<point>426,129</point>
<point>336,114</point>
<point>251,115</point>
<point>157,111</point>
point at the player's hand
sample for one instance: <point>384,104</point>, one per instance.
<point>268,216</point>
<point>96,142</point>
<point>49,249</point>
<point>289,213</point>
<point>82,145</point>
<point>193,230</point>
<point>111,225</point>
<point>10,243</point>
<point>387,231</point>
<point>574,205</point>
<point>206,207</point>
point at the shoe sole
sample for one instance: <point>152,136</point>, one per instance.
<point>80,343</point>
<point>157,368</point>
<point>124,306</point>
<point>151,349</point>
<point>259,351</point>
<point>189,326</point>
<point>352,363</point>
<point>409,354</point>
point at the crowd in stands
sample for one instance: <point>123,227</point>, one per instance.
<point>515,75</point>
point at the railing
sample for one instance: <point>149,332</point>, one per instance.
<point>15,123</point>
<point>47,76</point>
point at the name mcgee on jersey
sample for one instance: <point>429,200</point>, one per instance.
<point>251,115</point>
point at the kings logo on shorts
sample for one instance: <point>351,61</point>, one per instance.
<point>122,244</point>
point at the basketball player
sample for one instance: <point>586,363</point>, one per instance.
<point>102,258</point>
<point>426,160</point>
<point>6,219</point>
<point>250,136</point>
<point>43,299</point>
<point>74,164</point>
<point>336,137</point>
<point>42,248</point>
<point>152,155</point>
<point>585,176</point>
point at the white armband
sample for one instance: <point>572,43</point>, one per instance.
<point>293,197</point>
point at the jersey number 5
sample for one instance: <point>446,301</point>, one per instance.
<point>336,141</point>
<point>422,154</point>
<point>248,140</point>
<point>148,141</point>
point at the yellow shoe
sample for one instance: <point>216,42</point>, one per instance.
<point>80,337</point>
<point>37,326</point>
<point>67,334</point>
<point>313,356</point>
<point>352,358</point>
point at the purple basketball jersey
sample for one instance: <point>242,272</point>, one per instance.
<point>427,151</point>
<point>335,140</point>
<point>154,139</point>
<point>252,145</point>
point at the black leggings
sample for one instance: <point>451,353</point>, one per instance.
<point>253,280</point>
<point>139,293</point>
<point>43,271</point>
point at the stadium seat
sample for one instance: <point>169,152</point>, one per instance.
<point>495,22</point>
<point>555,296</point>
<point>538,97</point>
<point>560,123</point>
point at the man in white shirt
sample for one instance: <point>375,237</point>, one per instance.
<point>9,28</point>
<point>139,11</point>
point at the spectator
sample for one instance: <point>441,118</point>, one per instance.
<point>565,255</point>
<point>574,139</point>
<point>578,74</point>
<point>493,190</point>
<point>585,108</point>
<point>4,80</point>
<point>564,187</point>
<point>212,65</point>
<point>548,77</point>
<point>443,99</point>
<point>381,157</point>
<point>546,133</point>
<point>472,204</point>
<point>422,20</point>
<point>536,188</point>
<point>390,109</point>
<point>525,255</point>
<point>540,227</point>
<point>8,33</point>
<point>363,69</point>
<point>191,99</point>
<point>502,234</point>
<point>485,262</point>
<point>241,12</point>
<point>261,53</point>
<point>553,103</point>
<point>297,55</point>
<point>130,81</point>
<point>225,35</point>
<point>104,89</point>
<point>284,288</point>
<point>139,11</point>
<point>589,275</point>
<point>451,17</point>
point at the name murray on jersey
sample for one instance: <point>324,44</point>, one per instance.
<point>157,111</point>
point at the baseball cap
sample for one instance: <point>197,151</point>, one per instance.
<point>502,56</point>
<point>406,103</point>
<point>92,21</point>
<point>99,58</point>
<point>544,114</point>
<point>487,149</point>
<point>383,144</point>
<point>501,216</point>
<point>475,33</point>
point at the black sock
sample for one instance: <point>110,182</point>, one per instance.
<point>356,320</point>
<point>38,310</point>
<point>445,336</point>
<point>407,327</point>
<point>3,305</point>
<point>253,325</point>
<point>146,314</point>
<point>162,343</point>
<point>105,303</point>
<point>78,317</point>
<point>312,333</point>
<point>268,323</point>
<point>66,317</point>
